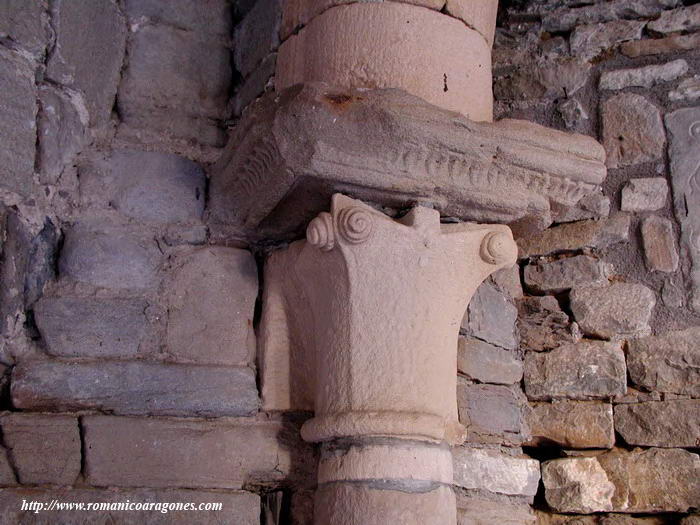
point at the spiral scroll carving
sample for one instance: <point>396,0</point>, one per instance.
<point>497,248</point>
<point>354,224</point>
<point>320,232</point>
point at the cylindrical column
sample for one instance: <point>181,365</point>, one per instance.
<point>375,482</point>
<point>442,56</point>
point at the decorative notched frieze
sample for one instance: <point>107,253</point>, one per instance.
<point>293,150</point>
<point>360,325</point>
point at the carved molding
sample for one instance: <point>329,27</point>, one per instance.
<point>293,150</point>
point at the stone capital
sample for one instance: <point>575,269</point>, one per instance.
<point>360,324</point>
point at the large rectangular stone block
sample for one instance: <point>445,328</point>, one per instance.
<point>147,186</point>
<point>673,423</point>
<point>206,17</point>
<point>576,236</point>
<point>45,449</point>
<point>18,111</point>
<point>91,327</point>
<point>668,362</point>
<point>492,413</point>
<point>211,301</point>
<point>487,363</point>
<point>491,316</point>
<point>135,388</point>
<point>637,481</point>
<point>585,370</point>
<point>492,470</point>
<point>227,453</point>
<point>572,424</point>
<point>110,256</point>
<point>241,508</point>
<point>89,50</point>
<point>175,84</point>
<point>26,23</point>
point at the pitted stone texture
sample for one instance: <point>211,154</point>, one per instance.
<point>479,15</point>
<point>682,19</point>
<point>572,424</point>
<point>258,34</point>
<point>18,111</point>
<point>61,125</point>
<point>211,300</point>
<point>588,41</point>
<point>492,413</point>
<point>176,84</point>
<point>689,89</point>
<point>658,46</point>
<point>245,506</point>
<point>7,474</point>
<point>644,77</point>
<point>89,61</point>
<point>259,81</point>
<point>109,256</point>
<point>487,363</point>
<point>598,519</point>
<point>389,41</point>
<point>586,370</point>
<point>507,280</point>
<point>665,424</point>
<point>147,186</point>
<point>128,452</point>
<point>653,480</point>
<point>26,23</point>
<point>491,317</point>
<point>491,470</point>
<point>632,130</point>
<point>564,274</point>
<point>293,150</point>
<point>666,363</point>
<point>684,137</point>
<point>346,504</point>
<point>539,78</point>
<point>210,17</point>
<point>577,485</point>
<point>615,311</point>
<point>574,115</point>
<point>45,449</point>
<point>398,462</point>
<point>647,194</point>
<point>91,327</point>
<point>543,325</point>
<point>474,511</point>
<point>660,249</point>
<point>135,388</point>
<point>576,236</point>
<point>566,18</point>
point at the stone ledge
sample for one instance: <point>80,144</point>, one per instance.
<point>293,150</point>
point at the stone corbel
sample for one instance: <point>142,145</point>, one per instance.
<point>360,324</point>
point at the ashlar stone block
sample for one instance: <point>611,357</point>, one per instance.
<point>45,449</point>
<point>211,301</point>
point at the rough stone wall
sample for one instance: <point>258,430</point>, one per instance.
<point>127,348</point>
<point>609,320</point>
